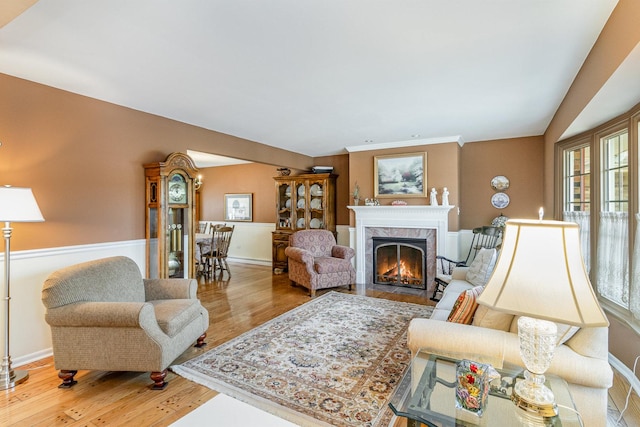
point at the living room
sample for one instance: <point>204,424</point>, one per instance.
<point>83,159</point>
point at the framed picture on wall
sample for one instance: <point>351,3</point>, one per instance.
<point>238,207</point>
<point>400,175</point>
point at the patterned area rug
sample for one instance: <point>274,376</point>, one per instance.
<point>332,361</point>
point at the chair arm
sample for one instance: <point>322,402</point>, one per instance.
<point>344,252</point>
<point>494,346</point>
<point>446,265</point>
<point>156,289</point>
<point>456,340</point>
<point>301,255</point>
<point>460,273</point>
<point>102,314</point>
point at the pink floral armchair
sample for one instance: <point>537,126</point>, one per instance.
<point>317,262</point>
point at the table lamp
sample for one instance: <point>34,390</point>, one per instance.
<point>541,276</point>
<point>16,205</point>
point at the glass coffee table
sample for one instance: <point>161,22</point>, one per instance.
<point>426,394</point>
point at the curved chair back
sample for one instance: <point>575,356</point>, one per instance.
<point>317,242</point>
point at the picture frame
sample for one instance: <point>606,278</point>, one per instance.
<point>400,175</point>
<point>238,207</point>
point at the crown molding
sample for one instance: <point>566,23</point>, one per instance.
<point>409,143</point>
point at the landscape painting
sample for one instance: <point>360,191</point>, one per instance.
<point>400,175</point>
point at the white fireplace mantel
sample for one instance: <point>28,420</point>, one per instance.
<point>408,216</point>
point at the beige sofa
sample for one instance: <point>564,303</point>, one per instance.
<point>104,316</point>
<point>582,360</point>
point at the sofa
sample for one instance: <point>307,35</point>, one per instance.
<point>581,358</point>
<point>104,316</point>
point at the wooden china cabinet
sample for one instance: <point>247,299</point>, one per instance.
<point>170,218</point>
<point>303,202</point>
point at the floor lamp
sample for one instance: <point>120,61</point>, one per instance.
<point>16,205</point>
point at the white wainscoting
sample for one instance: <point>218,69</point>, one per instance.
<point>30,335</point>
<point>251,242</point>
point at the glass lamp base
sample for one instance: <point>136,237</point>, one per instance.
<point>533,397</point>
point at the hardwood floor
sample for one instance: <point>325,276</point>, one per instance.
<point>251,297</point>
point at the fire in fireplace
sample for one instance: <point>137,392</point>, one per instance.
<point>399,261</point>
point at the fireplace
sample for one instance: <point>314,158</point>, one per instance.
<point>412,221</point>
<point>400,262</point>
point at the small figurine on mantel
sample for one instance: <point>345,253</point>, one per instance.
<point>445,197</point>
<point>356,194</point>
<point>434,197</point>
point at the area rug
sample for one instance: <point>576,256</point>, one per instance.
<point>335,360</point>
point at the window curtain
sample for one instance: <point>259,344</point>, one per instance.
<point>612,279</point>
<point>582,218</point>
<point>634,295</point>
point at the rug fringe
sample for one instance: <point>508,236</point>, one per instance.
<point>256,401</point>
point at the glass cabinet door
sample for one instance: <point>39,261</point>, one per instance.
<point>316,204</point>
<point>285,210</point>
<point>175,244</point>
<point>301,206</point>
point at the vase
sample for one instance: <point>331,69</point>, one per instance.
<point>472,386</point>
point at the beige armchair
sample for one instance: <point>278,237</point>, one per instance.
<point>317,262</point>
<point>104,316</point>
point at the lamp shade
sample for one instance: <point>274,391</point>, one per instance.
<point>541,274</point>
<point>18,205</point>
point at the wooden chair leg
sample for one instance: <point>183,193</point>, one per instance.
<point>200,342</point>
<point>158,380</point>
<point>67,378</point>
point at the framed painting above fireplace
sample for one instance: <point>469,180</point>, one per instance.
<point>400,175</point>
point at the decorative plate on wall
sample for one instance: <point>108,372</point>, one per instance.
<point>500,200</point>
<point>500,183</point>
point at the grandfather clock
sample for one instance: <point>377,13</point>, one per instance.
<point>171,217</point>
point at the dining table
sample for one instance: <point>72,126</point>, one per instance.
<point>203,241</point>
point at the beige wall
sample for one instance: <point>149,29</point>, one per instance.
<point>618,38</point>
<point>340,165</point>
<point>520,160</point>
<point>254,178</point>
<point>443,168</point>
<point>83,159</point>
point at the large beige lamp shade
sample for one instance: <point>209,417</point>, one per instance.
<point>541,274</point>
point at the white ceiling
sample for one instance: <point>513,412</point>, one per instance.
<point>317,76</point>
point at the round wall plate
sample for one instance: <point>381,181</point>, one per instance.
<point>500,183</point>
<point>500,200</point>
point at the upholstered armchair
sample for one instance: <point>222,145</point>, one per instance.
<point>104,316</point>
<point>317,262</point>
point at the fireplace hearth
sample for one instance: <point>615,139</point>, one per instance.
<point>400,262</point>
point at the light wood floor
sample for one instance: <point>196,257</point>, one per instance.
<point>251,297</point>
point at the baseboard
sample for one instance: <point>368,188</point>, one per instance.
<point>626,372</point>
<point>30,358</point>
<point>250,261</point>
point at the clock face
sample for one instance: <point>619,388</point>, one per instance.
<point>177,189</point>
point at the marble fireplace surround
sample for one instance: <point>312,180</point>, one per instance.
<point>419,221</point>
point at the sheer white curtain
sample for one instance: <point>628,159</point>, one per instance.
<point>634,295</point>
<point>583,219</point>
<point>612,279</point>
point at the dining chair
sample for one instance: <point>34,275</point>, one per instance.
<point>214,258</point>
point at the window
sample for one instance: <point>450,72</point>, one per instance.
<point>615,172</point>
<point>612,278</point>
<point>599,188</point>
<point>577,194</point>
<point>578,179</point>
